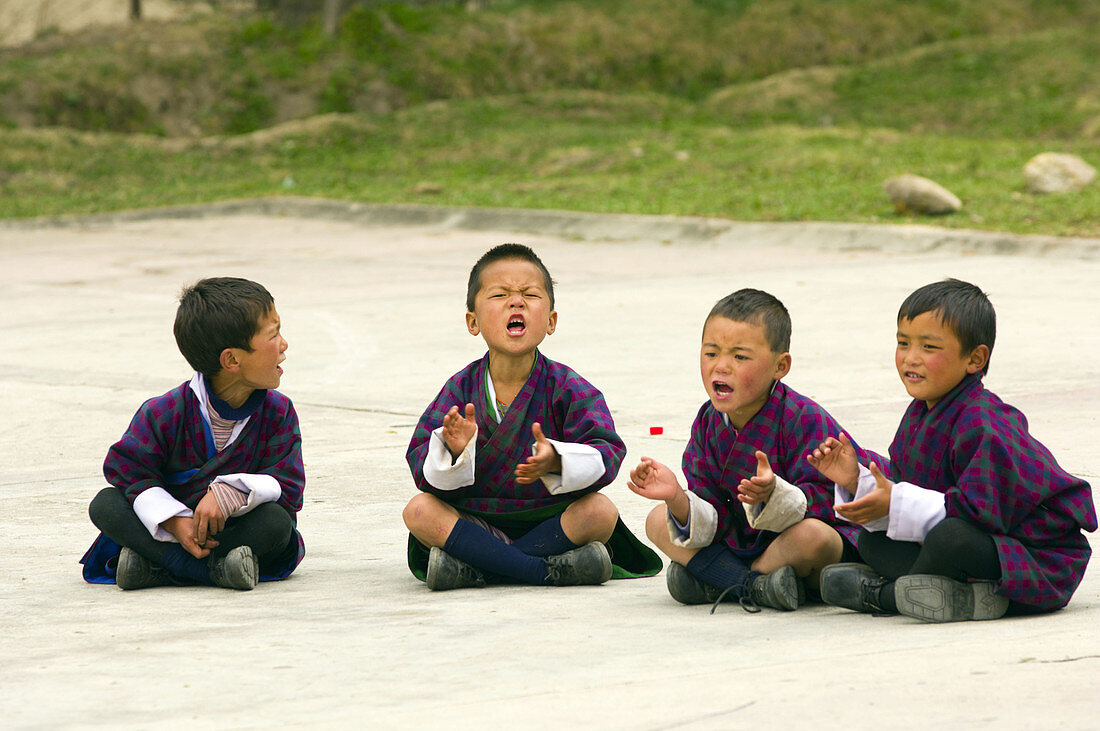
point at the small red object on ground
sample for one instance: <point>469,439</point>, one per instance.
<point>655,430</point>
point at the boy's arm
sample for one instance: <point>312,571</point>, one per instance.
<point>435,469</point>
<point>590,449</point>
<point>135,465</point>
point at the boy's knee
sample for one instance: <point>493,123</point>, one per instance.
<point>597,509</point>
<point>105,506</point>
<point>419,511</point>
<point>656,528</point>
<point>816,540</point>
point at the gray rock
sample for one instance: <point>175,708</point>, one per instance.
<point>914,194</point>
<point>1055,172</point>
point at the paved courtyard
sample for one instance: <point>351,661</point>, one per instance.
<point>371,301</point>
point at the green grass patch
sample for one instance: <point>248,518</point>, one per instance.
<point>583,151</point>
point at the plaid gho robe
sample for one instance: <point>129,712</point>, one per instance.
<point>787,428</point>
<point>567,406</point>
<point>168,444</point>
<point>977,450</point>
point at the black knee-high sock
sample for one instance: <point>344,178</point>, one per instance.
<point>721,568</point>
<point>478,547</point>
<point>545,539</point>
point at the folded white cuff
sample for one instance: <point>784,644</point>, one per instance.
<point>439,470</point>
<point>786,506</point>
<point>701,526</point>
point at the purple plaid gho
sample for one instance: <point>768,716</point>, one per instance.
<point>568,407</point>
<point>718,457</point>
<point>977,450</point>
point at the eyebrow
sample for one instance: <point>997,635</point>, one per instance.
<point>919,336</point>
<point>736,347</point>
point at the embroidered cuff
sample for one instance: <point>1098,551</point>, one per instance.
<point>257,489</point>
<point>914,511</point>
<point>438,469</point>
<point>581,465</point>
<point>701,526</point>
<point>786,506</point>
<point>154,506</point>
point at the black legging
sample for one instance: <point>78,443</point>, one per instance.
<point>953,548</point>
<point>267,529</point>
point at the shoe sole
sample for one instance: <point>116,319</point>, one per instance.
<point>244,573</point>
<point>940,599</point>
<point>789,597</point>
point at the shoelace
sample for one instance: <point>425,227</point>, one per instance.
<point>747,603</point>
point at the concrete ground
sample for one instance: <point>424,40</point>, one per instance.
<point>371,300</point>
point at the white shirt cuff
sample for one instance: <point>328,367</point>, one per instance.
<point>864,485</point>
<point>259,488</point>
<point>701,526</point>
<point>154,506</point>
<point>438,469</point>
<point>581,465</point>
<point>786,506</point>
<point>914,511</point>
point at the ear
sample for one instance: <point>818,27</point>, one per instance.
<point>552,325</point>
<point>977,359</point>
<point>228,360</point>
<point>782,366</point>
<point>471,323</point>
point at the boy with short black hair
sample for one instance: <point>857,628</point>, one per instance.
<point>746,449</point>
<point>207,481</point>
<point>512,453</point>
<point>972,517</point>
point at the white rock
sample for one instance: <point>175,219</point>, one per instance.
<point>1055,172</point>
<point>912,193</point>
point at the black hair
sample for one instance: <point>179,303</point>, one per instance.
<point>961,307</point>
<point>499,253</point>
<point>757,308</point>
<point>215,314</point>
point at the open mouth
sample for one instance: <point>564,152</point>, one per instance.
<point>722,389</point>
<point>516,326</point>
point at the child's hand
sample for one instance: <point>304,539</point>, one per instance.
<point>183,528</point>
<point>837,460</point>
<point>458,430</point>
<point>872,506</point>
<point>759,487</point>
<point>208,520</point>
<point>545,459</point>
<point>654,481</point>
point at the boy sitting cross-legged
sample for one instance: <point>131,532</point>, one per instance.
<point>512,453</point>
<point>747,447</point>
<point>971,517</point>
<point>207,481</point>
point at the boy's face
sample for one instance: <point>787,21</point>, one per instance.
<point>512,308</point>
<point>930,359</point>
<point>260,367</point>
<point>738,367</point>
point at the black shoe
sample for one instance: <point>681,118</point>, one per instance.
<point>687,589</point>
<point>238,569</point>
<point>590,564</point>
<point>940,599</point>
<point>446,572</point>
<point>779,590</point>
<point>852,586</point>
<point>134,572</point>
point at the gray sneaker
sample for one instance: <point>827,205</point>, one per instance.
<point>778,590</point>
<point>940,599</point>
<point>134,572</point>
<point>687,589</point>
<point>239,569</point>
<point>852,586</point>
<point>447,572</point>
<point>590,564</point>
